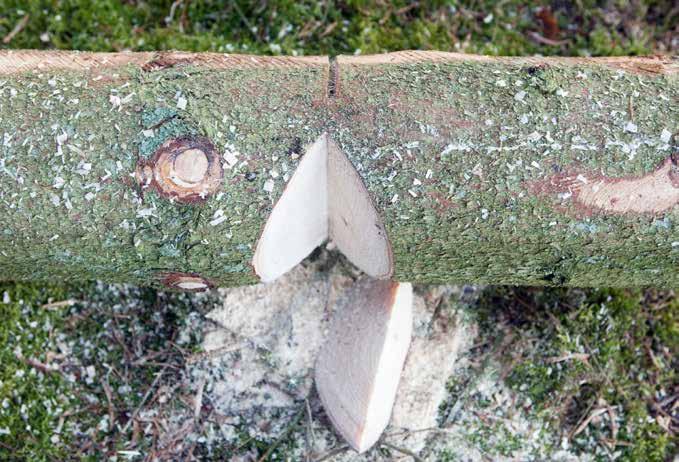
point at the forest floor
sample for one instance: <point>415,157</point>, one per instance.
<point>102,372</point>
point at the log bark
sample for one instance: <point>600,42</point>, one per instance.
<point>546,171</point>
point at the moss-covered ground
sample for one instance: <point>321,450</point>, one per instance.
<point>600,366</point>
<point>508,27</point>
<point>83,370</point>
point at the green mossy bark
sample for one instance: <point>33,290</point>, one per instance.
<point>485,131</point>
<point>52,230</point>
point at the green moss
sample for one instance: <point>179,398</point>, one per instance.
<point>96,222</point>
<point>325,27</point>
<point>31,400</point>
<point>108,336</point>
<point>163,123</point>
<point>574,352</point>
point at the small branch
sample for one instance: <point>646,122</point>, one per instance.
<point>18,28</point>
<point>405,451</point>
<point>43,367</point>
<point>291,427</point>
<point>545,41</point>
<point>579,356</point>
<point>109,397</point>
<point>54,305</point>
<point>199,401</point>
<point>248,25</point>
<point>335,452</point>
<point>146,396</point>
<point>585,423</point>
<point>310,431</point>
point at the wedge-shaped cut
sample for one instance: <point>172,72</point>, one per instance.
<point>325,198</point>
<point>354,224</point>
<point>358,370</point>
<point>299,220</point>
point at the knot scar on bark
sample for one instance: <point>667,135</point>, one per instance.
<point>185,169</point>
<point>189,282</point>
<point>653,193</point>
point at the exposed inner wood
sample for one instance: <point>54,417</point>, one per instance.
<point>641,65</point>
<point>299,221</point>
<point>186,281</point>
<point>13,61</point>
<point>189,167</point>
<point>191,285</point>
<point>359,367</point>
<point>654,192</point>
<point>354,224</point>
<point>325,198</point>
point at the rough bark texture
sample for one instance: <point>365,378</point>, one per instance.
<point>491,170</point>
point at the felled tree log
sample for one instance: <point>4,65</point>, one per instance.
<point>162,168</point>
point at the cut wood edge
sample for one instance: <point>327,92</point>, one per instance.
<point>591,192</point>
<point>359,367</point>
<point>17,61</point>
<point>325,198</point>
<point>298,222</point>
<point>636,64</point>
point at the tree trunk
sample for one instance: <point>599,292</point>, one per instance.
<point>162,168</point>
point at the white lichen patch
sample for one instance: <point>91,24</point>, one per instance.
<point>268,186</point>
<point>665,136</point>
<point>218,217</point>
<point>631,127</point>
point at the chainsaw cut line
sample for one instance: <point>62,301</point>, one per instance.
<point>325,199</point>
<point>333,77</point>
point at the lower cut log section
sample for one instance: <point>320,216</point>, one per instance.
<point>164,168</point>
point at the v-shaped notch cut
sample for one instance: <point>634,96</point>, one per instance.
<point>325,198</point>
<point>353,222</point>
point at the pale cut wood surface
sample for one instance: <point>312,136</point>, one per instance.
<point>17,61</point>
<point>354,223</point>
<point>324,199</point>
<point>360,364</point>
<point>298,222</point>
<point>639,64</point>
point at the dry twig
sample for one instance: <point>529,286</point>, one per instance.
<point>17,28</point>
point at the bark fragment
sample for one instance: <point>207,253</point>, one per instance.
<point>189,282</point>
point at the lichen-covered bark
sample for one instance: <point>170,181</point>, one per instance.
<point>70,141</point>
<point>462,157</point>
<point>474,163</point>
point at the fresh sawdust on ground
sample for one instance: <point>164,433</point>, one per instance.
<point>254,381</point>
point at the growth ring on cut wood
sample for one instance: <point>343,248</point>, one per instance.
<point>186,169</point>
<point>189,282</point>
